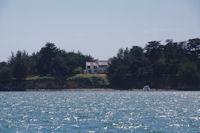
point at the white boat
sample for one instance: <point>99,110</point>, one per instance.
<point>146,88</point>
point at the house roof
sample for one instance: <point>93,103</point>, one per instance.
<point>98,62</point>
<point>91,64</point>
<point>103,63</point>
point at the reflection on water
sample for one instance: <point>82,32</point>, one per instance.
<point>95,111</point>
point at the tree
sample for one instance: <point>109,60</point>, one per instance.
<point>118,74</point>
<point>59,63</point>
<point>17,62</point>
<point>193,47</point>
<point>31,63</point>
<point>5,74</point>
<point>46,55</point>
<point>189,74</point>
<point>60,68</point>
<point>2,65</point>
<point>154,50</point>
<point>129,68</point>
<point>172,65</point>
<point>78,70</point>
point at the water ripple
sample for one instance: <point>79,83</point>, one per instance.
<point>78,111</point>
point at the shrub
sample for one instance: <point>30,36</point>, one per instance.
<point>5,74</point>
<point>87,81</point>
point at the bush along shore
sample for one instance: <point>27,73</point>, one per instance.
<point>78,81</point>
<point>169,66</point>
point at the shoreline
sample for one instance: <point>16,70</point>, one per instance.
<point>78,89</point>
<point>105,89</point>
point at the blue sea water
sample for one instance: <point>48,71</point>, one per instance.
<point>100,111</point>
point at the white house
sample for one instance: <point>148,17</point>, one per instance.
<point>99,66</point>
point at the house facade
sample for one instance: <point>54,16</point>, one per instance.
<point>98,66</point>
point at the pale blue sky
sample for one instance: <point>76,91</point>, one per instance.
<point>95,27</point>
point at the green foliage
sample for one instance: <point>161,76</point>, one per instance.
<point>31,64</point>
<point>59,68</point>
<point>127,68</point>
<point>3,64</point>
<point>153,50</point>
<point>189,74</point>
<point>170,65</point>
<point>173,65</point>
<point>58,63</point>
<point>50,61</point>
<point>46,55</point>
<point>39,77</point>
<point>17,62</point>
<point>88,80</point>
<point>5,74</point>
<point>78,70</point>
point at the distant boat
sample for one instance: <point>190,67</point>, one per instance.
<point>146,88</point>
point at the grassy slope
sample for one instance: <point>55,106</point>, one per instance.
<point>76,81</point>
<point>104,76</point>
<point>91,75</point>
<point>38,77</point>
<point>88,80</point>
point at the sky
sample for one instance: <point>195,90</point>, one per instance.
<point>94,27</point>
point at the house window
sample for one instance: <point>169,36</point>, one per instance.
<point>88,67</point>
<point>95,67</point>
<point>103,66</point>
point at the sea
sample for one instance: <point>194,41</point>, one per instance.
<point>100,111</point>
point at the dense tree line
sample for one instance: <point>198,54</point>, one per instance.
<point>173,65</point>
<point>49,61</point>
